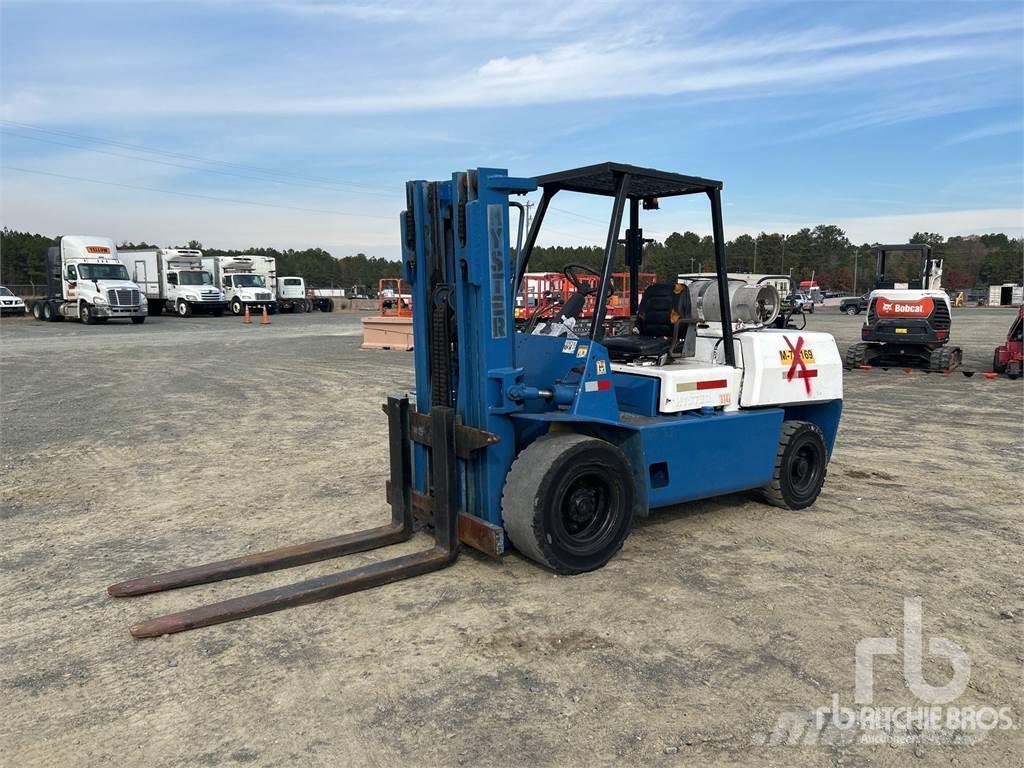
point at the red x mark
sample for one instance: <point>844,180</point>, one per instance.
<point>804,372</point>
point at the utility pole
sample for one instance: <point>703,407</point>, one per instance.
<point>691,264</point>
<point>754,270</point>
<point>528,205</point>
<point>783,270</point>
<point>856,257</point>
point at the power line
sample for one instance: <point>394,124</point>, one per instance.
<point>596,221</point>
<point>184,156</point>
<point>180,165</point>
<point>191,194</point>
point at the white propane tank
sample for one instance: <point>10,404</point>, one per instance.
<point>750,304</point>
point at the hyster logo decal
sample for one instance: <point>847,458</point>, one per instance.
<point>904,308</point>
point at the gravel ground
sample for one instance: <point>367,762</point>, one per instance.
<point>129,449</point>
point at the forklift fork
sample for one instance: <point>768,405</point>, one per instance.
<point>443,505</point>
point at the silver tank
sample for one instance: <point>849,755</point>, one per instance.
<point>750,304</point>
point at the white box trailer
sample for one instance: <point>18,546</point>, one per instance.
<point>173,279</point>
<point>244,280</point>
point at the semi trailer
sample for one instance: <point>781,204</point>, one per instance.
<point>85,281</point>
<point>173,279</point>
<point>247,281</point>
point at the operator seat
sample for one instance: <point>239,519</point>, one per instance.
<point>663,312</point>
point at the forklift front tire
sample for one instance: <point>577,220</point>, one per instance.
<point>801,463</point>
<point>568,502</point>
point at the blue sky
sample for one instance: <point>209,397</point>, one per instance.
<point>297,123</point>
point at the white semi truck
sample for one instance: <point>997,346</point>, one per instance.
<point>290,291</point>
<point>173,279</point>
<point>292,296</point>
<point>85,281</point>
<point>247,281</point>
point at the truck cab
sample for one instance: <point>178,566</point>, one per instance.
<point>242,282</point>
<point>175,280</point>
<point>188,287</point>
<point>87,282</point>
<point>291,295</point>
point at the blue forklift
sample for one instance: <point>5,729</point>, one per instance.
<point>554,442</point>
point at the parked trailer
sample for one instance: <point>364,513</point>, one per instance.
<point>174,280</point>
<point>85,281</point>
<point>247,281</point>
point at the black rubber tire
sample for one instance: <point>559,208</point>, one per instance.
<point>330,305</point>
<point>549,493</point>
<point>997,367</point>
<point>299,306</point>
<point>85,314</point>
<point>48,314</point>
<point>856,355</point>
<point>237,308</point>
<point>37,310</point>
<point>850,310</point>
<point>183,309</point>
<point>138,320</point>
<point>1013,370</point>
<point>801,463</point>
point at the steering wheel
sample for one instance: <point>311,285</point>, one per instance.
<point>570,271</point>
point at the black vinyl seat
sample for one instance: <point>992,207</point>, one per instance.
<point>664,308</point>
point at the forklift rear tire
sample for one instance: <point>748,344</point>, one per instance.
<point>801,463</point>
<point>568,502</point>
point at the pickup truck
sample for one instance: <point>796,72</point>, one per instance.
<point>800,302</point>
<point>853,305</point>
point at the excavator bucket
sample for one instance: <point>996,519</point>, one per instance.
<point>439,432</point>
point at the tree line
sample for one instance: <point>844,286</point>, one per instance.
<point>823,252</point>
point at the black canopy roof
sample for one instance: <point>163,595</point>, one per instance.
<point>644,182</point>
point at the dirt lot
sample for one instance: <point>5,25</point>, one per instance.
<point>133,449</point>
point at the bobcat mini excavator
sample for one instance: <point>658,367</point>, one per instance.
<point>554,442</point>
<point>906,323</point>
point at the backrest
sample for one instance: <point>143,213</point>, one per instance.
<point>662,305</point>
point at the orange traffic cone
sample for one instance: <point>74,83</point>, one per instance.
<point>248,317</point>
<point>266,317</point>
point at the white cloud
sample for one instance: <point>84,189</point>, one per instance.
<point>610,56</point>
<point>985,132</point>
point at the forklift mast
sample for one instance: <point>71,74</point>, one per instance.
<point>456,260</point>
